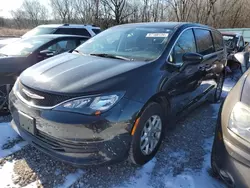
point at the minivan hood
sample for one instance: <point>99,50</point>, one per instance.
<point>74,73</point>
<point>4,42</point>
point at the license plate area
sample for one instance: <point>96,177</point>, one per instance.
<point>27,123</point>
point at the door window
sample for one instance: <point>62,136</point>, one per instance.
<point>218,41</point>
<point>204,41</point>
<point>186,43</point>
<point>62,46</point>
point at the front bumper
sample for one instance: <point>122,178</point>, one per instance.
<point>76,138</point>
<point>232,161</point>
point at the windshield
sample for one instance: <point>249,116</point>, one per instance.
<point>143,44</point>
<point>230,41</point>
<point>23,47</point>
<point>39,31</point>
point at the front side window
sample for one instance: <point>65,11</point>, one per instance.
<point>62,46</point>
<point>140,43</point>
<point>185,44</point>
<point>204,41</point>
<point>24,47</point>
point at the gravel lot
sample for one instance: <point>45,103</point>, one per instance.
<point>184,156</point>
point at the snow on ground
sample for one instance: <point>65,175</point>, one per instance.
<point>142,176</point>
<point>228,84</point>
<point>8,134</point>
<point>7,174</point>
<point>193,179</point>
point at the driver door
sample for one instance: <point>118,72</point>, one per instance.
<point>183,84</point>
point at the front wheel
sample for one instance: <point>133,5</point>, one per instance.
<point>148,135</point>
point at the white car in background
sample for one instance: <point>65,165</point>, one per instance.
<point>68,29</point>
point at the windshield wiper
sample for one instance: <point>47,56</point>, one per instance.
<point>112,56</point>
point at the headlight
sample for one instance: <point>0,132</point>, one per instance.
<point>91,105</point>
<point>239,121</point>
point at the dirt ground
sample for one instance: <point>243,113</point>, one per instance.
<point>8,32</point>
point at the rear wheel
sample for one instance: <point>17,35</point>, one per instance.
<point>4,99</point>
<point>148,135</point>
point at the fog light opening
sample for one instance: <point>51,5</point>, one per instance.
<point>227,178</point>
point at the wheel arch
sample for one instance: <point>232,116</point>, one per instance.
<point>162,99</point>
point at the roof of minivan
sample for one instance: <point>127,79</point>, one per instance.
<point>54,36</point>
<point>169,25</point>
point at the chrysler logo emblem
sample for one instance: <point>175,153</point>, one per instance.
<point>32,95</point>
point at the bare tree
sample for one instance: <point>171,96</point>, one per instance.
<point>118,8</point>
<point>30,14</point>
<point>105,13</point>
<point>63,10</point>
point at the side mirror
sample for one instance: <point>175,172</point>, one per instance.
<point>45,54</point>
<point>192,58</point>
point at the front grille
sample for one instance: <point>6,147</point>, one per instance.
<point>62,146</point>
<point>49,98</point>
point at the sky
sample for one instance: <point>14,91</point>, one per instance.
<point>7,5</point>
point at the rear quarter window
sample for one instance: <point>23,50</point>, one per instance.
<point>96,31</point>
<point>73,31</point>
<point>204,41</point>
<point>218,41</point>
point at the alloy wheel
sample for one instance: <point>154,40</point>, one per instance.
<point>151,134</point>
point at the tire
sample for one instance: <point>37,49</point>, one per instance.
<point>219,88</point>
<point>4,99</point>
<point>214,168</point>
<point>138,154</point>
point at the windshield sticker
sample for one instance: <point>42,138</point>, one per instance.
<point>157,35</point>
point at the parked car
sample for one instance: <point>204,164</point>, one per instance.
<point>238,54</point>
<point>19,55</point>
<point>67,29</point>
<point>230,158</point>
<point>116,94</point>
